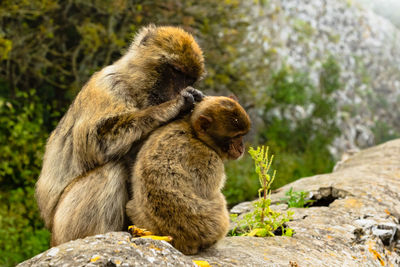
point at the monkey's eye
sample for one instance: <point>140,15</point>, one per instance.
<point>177,70</point>
<point>187,80</point>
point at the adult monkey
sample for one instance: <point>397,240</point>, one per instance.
<point>82,188</point>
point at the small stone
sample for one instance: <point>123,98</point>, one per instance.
<point>242,208</point>
<point>386,232</point>
<point>52,252</point>
<point>365,223</point>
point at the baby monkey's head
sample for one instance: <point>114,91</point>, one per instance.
<point>221,123</point>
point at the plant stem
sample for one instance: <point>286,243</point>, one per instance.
<point>265,197</point>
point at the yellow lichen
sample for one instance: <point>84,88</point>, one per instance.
<point>376,254</point>
<point>353,203</point>
<point>154,247</point>
<point>94,259</point>
<point>156,237</point>
<point>202,263</point>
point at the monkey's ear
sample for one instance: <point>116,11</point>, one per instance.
<point>144,34</point>
<point>202,123</point>
<point>234,97</point>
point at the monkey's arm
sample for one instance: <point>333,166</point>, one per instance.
<point>113,136</point>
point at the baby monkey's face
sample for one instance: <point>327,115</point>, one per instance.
<point>221,123</point>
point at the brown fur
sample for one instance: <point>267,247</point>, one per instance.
<point>179,173</point>
<point>82,187</point>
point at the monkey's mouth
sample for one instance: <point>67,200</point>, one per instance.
<point>235,152</point>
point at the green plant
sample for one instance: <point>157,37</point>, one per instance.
<point>297,199</point>
<point>263,221</point>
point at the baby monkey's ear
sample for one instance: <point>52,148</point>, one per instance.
<point>234,97</point>
<point>202,123</point>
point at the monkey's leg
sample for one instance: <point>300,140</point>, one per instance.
<point>92,204</point>
<point>196,223</point>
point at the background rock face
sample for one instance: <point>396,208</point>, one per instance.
<point>387,9</point>
<point>354,222</point>
<point>303,34</point>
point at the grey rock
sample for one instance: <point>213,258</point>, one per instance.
<point>386,232</point>
<point>111,249</point>
<point>241,208</point>
<point>358,227</point>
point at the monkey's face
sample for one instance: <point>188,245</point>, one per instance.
<point>236,147</point>
<point>170,82</point>
<point>221,123</point>
<point>230,147</point>
<point>176,61</point>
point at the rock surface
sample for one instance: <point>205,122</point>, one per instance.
<point>111,249</point>
<point>354,222</point>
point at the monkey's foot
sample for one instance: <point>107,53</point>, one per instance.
<point>143,233</point>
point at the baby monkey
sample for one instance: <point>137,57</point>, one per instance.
<point>179,173</point>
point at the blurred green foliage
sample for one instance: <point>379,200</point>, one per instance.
<point>22,234</point>
<point>242,182</point>
<point>22,140</point>
<point>383,132</point>
<point>49,49</point>
<point>300,121</point>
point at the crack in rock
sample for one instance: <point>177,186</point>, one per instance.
<point>326,196</point>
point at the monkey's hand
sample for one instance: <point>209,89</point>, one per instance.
<point>190,96</point>
<point>197,95</point>
<point>188,101</point>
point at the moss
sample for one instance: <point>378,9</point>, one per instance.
<point>303,27</point>
<point>5,48</point>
